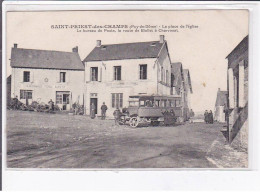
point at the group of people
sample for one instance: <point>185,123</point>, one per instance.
<point>208,117</point>
<point>117,113</point>
<point>93,111</point>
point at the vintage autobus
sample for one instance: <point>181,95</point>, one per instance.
<point>153,109</point>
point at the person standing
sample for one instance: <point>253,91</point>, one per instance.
<point>92,111</point>
<point>103,111</point>
<point>117,114</point>
<point>191,115</point>
<point>206,115</point>
<point>51,105</point>
<point>210,117</point>
<point>15,100</point>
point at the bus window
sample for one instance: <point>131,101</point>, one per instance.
<point>148,103</point>
<point>142,103</point>
<point>133,103</point>
<point>156,103</point>
<point>163,103</point>
<point>178,103</point>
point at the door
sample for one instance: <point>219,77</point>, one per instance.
<point>63,100</point>
<point>94,101</point>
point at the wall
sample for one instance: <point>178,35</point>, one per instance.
<point>219,114</point>
<point>165,63</point>
<point>186,99</point>
<point>45,83</point>
<point>130,84</point>
<point>8,89</point>
<point>238,116</point>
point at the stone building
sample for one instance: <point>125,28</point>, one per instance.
<point>110,73</point>
<point>178,87</point>
<point>220,106</point>
<point>8,89</point>
<point>187,94</point>
<point>238,95</point>
<point>41,75</point>
<point>116,71</point>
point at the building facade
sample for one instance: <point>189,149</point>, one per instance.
<point>220,106</point>
<point>115,72</point>
<point>187,94</point>
<point>178,87</point>
<point>40,75</point>
<point>8,89</point>
<point>109,73</point>
<point>238,95</point>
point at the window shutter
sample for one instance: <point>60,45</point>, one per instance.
<point>58,77</point>
<point>99,74</point>
<point>113,74</point>
<point>67,77</point>
<point>120,74</point>
<point>90,74</point>
<point>241,83</point>
<point>22,77</point>
<point>31,76</point>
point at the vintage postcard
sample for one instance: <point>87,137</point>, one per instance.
<point>127,89</point>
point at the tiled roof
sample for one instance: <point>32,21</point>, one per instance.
<point>221,98</point>
<point>32,58</point>
<point>242,45</point>
<point>136,50</point>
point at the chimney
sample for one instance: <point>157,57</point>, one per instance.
<point>15,45</point>
<point>98,43</point>
<point>218,89</point>
<point>161,38</point>
<point>75,49</point>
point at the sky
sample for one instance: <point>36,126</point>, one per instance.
<point>202,50</point>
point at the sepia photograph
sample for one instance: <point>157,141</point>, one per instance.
<point>127,89</point>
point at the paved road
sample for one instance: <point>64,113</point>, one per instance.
<point>61,141</point>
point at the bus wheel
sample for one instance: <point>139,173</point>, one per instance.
<point>134,122</point>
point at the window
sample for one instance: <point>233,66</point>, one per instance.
<point>172,80</point>
<point>143,71</point>
<point>26,76</point>
<point>94,73</point>
<point>172,103</point>
<point>178,103</point>
<point>133,103</point>
<point>62,98</point>
<point>163,103</point>
<point>142,103</point>
<point>62,76</point>
<point>162,74</point>
<point>117,72</point>
<point>167,77</point>
<point>25,94</point>
<point>58,98</point>
<point>149,103</point>
<point>117,100</point>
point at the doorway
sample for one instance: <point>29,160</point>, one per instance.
<point>63,100</point>
<point>94,101</point>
